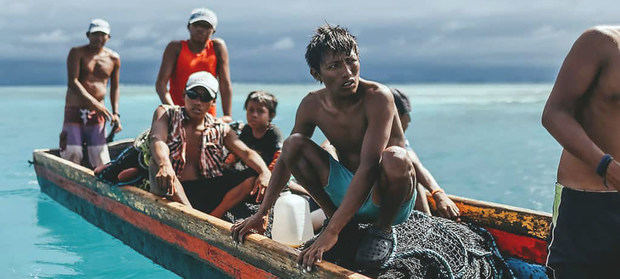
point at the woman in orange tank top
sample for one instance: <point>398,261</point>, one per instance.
<point>199,53</point>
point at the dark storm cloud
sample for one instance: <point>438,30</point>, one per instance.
<point>266,39</point>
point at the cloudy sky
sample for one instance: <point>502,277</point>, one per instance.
<point>401,41</point>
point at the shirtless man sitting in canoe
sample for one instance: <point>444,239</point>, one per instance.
<point>89,68</point>
<point>187,157</point>
<point>374,179</point>
<point>583,114</point>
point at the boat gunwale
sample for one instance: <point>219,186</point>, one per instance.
<point>281,258</point>
<point>510,219</point>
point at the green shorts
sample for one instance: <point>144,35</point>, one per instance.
<point>338,183</point>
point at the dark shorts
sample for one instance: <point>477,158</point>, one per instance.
<point>585,234</point>
<point>206,194</point>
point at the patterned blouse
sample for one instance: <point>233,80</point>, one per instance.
<point>212,153</point>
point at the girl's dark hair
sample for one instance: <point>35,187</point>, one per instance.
<point>329,38</point>
<point>401,101</point>
<point>263,98</point>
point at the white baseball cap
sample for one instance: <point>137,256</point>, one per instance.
<point>203,79</point>
<point>99,25</point>
<point>203,14</point>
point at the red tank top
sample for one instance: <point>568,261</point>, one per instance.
<point>189,63</point>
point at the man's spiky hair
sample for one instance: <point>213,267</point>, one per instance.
<point>329,38</point>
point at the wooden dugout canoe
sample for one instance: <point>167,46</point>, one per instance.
<point>191,243</point>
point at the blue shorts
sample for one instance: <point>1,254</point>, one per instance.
<point>338,183</point>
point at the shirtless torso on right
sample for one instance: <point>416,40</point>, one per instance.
<point>583,111</point>
<point>583,114</point>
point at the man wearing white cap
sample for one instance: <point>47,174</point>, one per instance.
<point>199,53</point>
<point>187,157</point>
<point>89,68</point>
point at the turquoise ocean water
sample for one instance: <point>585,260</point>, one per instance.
<point>482,141</point>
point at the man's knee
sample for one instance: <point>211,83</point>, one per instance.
<point>396,164</point>
<point>294,144</point>
<point>72,153</point>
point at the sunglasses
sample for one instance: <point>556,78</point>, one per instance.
<point>194,95</point>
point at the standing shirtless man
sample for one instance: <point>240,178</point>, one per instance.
<point>374,179</point>
<point>199,53</point>
<point>89,69</point>
<point>583,115</point>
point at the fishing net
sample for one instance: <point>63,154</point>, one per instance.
<point>428,247</point>
<point>434,247</point>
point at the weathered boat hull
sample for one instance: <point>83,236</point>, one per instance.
<point>185,241</point>
<point>193,244</point>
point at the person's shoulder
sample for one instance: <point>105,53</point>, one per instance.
<point>375,87</point>
<point>164,110</point>
<point>246,130</point>
<point>218,42</point>
<point>316,95</point>
<point>600,36</point>
<point>78,50</point>
<point>273,129</point>
<point>375,91</point>
<point>219,46</point>
<point>311,103</point>
<point>603,31</point>
<point>174,45</point>
<point>112,54</point>
<point>313,97</point>
<point>165,107</point>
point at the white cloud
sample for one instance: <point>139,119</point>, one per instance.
<point>141,52</point>
<point>114,43</point>
<point>283,44</point>
<point>141,32</point>
<point>54,37</point>
<point>472,32</point>
<point>398,42</point>
<point>548,32</point>
<point>180,32</point>
<point>452,26</point>
<point>15,8</point>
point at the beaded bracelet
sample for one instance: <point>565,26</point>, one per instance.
<point>437,191</point>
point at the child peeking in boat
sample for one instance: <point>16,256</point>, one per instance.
<point>259,134</point>
<point>374,178</point>
<point>187,159</point>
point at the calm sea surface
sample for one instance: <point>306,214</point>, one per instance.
<point>480,141</point>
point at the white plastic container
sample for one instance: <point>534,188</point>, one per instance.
<point>292,224</point>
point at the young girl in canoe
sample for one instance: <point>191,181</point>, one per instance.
<point>259,134</point>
